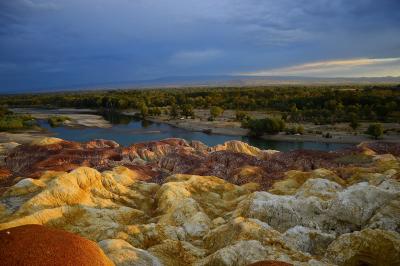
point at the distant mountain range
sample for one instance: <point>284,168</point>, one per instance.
<point>218,80</point>
<point>230,80</point>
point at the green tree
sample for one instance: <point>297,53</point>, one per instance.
<point>300,130</point>
<point>155,111</point>
<point>187,110</point>
<point>258,127</point>
<point>242,116</point>
<point>354,124</point>
<point>144,110</point>
<point>173,111</point>
<point>55,121</point>
<point>216,111</point>
<point>375,130</point>
<point>295,114</point>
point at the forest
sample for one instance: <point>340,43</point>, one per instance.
<point>317,104</point>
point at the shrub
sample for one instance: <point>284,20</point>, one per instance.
<point>11,124</point>
<point>16,122</point>
<point>354,124</point>
<point>295,130</point>
<point>187,110</point>
<point>375,130</point>
<point>216,111</point>
<point>55,121</point>
<point>242,116</point>
<point>300,130</point>
<point>144,110</point>
<point>173,111</point>
<point>155,111</point>
<point>258,127</point>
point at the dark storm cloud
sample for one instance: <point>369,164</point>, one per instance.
<point>47,43</point>
<point>16,12</point>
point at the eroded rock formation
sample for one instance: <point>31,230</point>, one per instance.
<point>235,161</point>
<point>177,203</point>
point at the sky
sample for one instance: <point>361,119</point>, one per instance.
<point>67,43</point>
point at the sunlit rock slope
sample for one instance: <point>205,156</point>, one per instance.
<point>177,203</point>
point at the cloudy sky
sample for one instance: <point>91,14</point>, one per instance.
<point>66,43</point>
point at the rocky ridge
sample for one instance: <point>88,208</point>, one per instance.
<point>234,161</point>
<point>177,203</point>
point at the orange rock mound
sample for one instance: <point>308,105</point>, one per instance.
<point>38,245</point>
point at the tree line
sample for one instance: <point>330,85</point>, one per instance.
<point>317,104</point>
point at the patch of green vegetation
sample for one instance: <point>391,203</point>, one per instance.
<point>216,111</point>
<point>375,130</point>
<point>56,121</point>
<point>258,127</point>
<point>173,111</point>
<point>14,122</point>
<point>187,110</point>
<point>241,116</point>
<point>155,111</point>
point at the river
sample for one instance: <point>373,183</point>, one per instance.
<point>126,130</point>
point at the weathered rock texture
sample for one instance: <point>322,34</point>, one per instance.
<point>177,203</point>
<point>37,245</point>
<point>234,161</point>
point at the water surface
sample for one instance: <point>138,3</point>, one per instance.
<point>126,130</point>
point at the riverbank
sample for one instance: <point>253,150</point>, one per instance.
<point>226,125</point>
<point>78,117</point>
<point>210,127</point>
<point>232,129</point>
<point>23,137</point>
<point>223,126</point>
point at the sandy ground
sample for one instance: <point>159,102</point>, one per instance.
<point>220,127</point>
<point>22,138</point>
<point>79,117</point>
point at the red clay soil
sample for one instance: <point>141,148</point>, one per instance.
<point>6,179</point>
<point>270,263</point>
<point>32,160</point>
<point>37,245</point>
<point>4,175</point>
